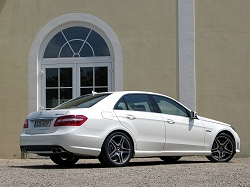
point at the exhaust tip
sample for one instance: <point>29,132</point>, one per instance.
<point>57,150</point>
<point>23,150</point>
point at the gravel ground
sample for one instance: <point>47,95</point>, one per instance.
<point>189,171</point>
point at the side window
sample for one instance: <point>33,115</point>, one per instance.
<point>169,106</point>
<point>136,102</point>
<point>121,105</point>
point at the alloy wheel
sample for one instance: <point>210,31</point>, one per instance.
<point>64,161</point>
<point>117,150</point>
<point>223,149</point>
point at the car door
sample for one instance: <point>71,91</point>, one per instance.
<point>136,113</point>
<point>182,132</point>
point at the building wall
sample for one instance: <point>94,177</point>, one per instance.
<point>16,38</point>
<point>222,40</point>
<point>145,29</point>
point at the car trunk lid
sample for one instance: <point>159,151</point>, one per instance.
<point>42,122</point>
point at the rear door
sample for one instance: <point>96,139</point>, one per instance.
<point>136,112</point>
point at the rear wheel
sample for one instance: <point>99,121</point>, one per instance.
<point>223,148</point>
<point>117,150</point>
<point>64,161</point>
<point>170,159</point>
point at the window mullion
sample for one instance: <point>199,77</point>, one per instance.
<point>93,78</point>
<point>59,85</point>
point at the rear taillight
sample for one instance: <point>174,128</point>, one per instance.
<point>26,124</point>
<point>70,120</point>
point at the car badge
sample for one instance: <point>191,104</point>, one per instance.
<point>41,113</point>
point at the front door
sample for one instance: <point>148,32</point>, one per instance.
<point>182,132</point>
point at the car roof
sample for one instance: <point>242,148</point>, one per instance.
<point>132,92</point>
<point>121,93</point>
<point>129,92</point>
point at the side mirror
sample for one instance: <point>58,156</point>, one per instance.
<point>193,115</point>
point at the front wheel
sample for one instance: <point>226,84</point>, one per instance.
<point>223,148</point>
<point>170,159</point>
<point>117,150</point>
<point>64,161</point>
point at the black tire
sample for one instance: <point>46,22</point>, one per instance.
<point>223,148</point>
<point>170,159</point>
<point>64,161</point>
<point>117,150</point>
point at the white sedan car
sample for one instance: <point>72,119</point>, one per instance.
<point>117,126</point>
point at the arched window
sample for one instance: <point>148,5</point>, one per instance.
<point>76,61</point>
<point>72,55</point>
<point>76,42</point>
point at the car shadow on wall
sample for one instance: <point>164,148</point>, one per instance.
<point>2,3</point>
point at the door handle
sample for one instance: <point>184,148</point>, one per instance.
<point>130,117</point>
<point>170,121</point>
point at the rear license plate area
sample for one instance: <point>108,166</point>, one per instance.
<point>42,123</point>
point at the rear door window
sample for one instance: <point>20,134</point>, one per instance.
<point>136,102</point>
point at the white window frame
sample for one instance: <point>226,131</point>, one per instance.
<point>43,81</point>
<point>66,63</point>
<point>49,30</point>
<point>96,64</point>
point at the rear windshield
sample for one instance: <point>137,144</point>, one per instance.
<point>85,101</point>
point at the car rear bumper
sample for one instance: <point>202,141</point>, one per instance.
<point>44,149</point>
<point>88,144</point>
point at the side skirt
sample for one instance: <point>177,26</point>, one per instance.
<point>170,153</point>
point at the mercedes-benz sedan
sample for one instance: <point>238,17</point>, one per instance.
<point>117,126</point>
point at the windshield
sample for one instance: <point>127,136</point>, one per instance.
<point>85,101</point>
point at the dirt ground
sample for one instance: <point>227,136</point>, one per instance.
<point>188,171</point>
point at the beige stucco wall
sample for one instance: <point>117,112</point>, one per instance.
<point>223,65</point>
<point>15,41</point>
<point>145,29</point>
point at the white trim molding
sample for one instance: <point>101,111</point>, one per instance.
<point>42,37</point>
<point>186,53</point>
